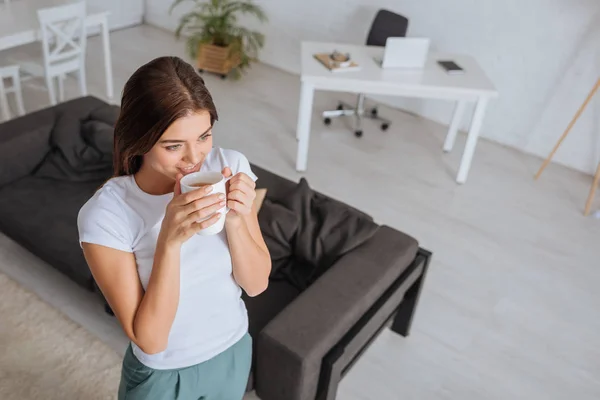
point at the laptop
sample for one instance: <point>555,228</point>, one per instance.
<point>403,52</point>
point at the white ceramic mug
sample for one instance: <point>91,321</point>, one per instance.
<point>217,180</point>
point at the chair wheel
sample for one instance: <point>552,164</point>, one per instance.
<point>223,76</point>
<point>327,121</point>
<point>384,127</point>
<point>340,107</point>
<point>373,112</point>
<point>200,70</point>
<point>358,133</point>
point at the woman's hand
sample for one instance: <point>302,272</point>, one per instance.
<point>185,209</point>
<point>240,196</point>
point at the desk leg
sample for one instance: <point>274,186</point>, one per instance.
<point>465,162</point>
<point>107,58</point>
<point>453,130</point>
<point>303,129</point>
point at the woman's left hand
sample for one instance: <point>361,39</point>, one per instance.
<point>240,195</point>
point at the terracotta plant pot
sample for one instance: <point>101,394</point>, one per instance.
<point>216,59</point>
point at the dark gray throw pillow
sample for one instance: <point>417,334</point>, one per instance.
<point>99,135</point>
<point>278,226</point>
<point>327,229</point>
<point>107,114</point>
<point>67,140</point>
<point>72,157</point>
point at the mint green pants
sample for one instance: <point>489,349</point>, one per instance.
<point>223,377</point>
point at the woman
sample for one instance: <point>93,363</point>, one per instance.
<point>176,294</point>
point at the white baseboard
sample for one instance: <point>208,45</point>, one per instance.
<point>159,21</point>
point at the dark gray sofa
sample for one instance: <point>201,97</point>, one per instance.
<point>39,213</point>
<point>338,277</point>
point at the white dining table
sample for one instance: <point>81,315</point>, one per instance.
<point>19,26</point>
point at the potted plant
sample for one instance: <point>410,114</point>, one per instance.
<point>215,40</point>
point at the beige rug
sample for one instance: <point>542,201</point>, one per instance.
<point>45,355</point>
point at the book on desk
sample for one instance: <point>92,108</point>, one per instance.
<point>333,66</point>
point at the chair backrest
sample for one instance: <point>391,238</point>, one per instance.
<point>63,34</point>
<point>386,24</point>
<point>9,71</point>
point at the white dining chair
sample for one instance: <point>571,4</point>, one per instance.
<point>10,72</point>
<point>64,44</point>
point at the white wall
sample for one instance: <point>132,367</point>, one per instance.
<point>122,13</point>
<point>542,55</point>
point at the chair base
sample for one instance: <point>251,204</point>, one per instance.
<point>345,110</point>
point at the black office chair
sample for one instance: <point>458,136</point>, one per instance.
<point>386,24</point>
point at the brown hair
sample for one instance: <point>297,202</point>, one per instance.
<point>157,94</point>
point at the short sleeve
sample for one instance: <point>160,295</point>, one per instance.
<point>238,163</point>
<point>102,221</point>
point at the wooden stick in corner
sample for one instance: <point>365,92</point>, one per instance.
<point>593,189</point>
<point>566,132</point>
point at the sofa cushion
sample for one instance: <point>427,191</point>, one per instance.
<point>268,304</point>
<point>41,215</point>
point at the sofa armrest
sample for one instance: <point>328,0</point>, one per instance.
<point>290,349</point>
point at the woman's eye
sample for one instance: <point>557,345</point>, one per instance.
<point>173,148</point>
<point>204,138</point>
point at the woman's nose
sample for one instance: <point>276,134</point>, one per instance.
<point>192,158</point>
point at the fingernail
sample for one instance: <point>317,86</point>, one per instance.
<point>221,196</point>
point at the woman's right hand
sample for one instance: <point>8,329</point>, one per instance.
<point>185,209</point>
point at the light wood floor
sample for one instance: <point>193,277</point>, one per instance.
<point>511,309</point>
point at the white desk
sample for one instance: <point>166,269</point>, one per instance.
<point>431,82</point>
<point>19,26</point>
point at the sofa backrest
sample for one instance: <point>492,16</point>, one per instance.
<point>25,141</point>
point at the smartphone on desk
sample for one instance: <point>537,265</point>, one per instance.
<point>451,67</point>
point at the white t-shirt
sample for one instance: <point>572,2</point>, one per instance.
<point>211,315</point>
